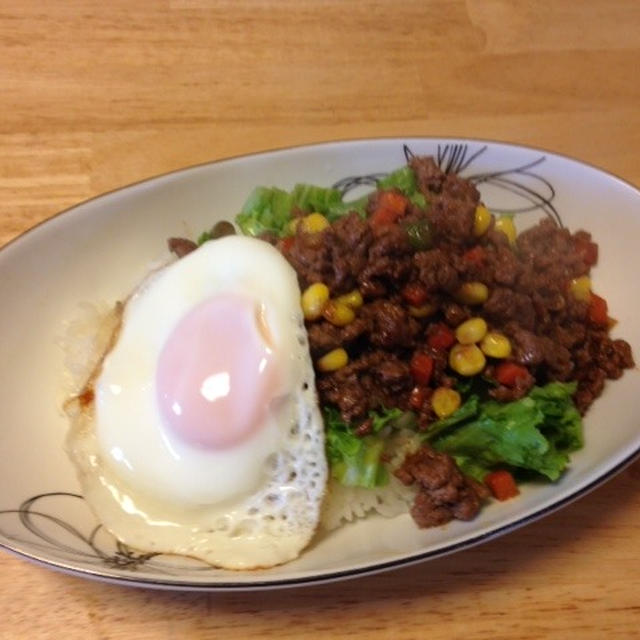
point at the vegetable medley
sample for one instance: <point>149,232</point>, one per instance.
<point>434,323</point>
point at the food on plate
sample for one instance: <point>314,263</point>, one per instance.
<point>454,355</point>
<point>409,350</point>
<point>198,432</point>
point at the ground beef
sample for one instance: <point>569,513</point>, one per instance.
<point>452,199</point>
<point>374,379</point>
<point>410,290</point>
<point>435,183</point>
<point>393,374</point>
<point>454,313</point>
<point>598,358</point>
<point>391,325</point>
<point>590,386</point>
<point>429,177</point>
<point>550,251</point>
<point>522,386</point>
<point>529,298</point>
<point>528,348</point>
<point>452,220</point>
<point>324,336</point>
<point>444,493</point>
<point>535,351</point>
<point>568,335</point>
<point>502,265</point>
<point>348,391</point>
<point>388,262</point>
<point>181,246</point>
<point>435,271</point>
<point>350,240</point>
<point>310,255</point>
<point>507,305</point>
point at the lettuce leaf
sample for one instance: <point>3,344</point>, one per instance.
<point>354,461</point>
<point>268,209</point>
<point>534,433</point>
<point>468,410</point>
<point>381,419</point>
<point>562,423</point>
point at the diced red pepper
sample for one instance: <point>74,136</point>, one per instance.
<point>421,368</point>
<point>417,397</point>
<point>508,373</point>
<point>286,244</point>
<point>390,206</point>
<point>415,294</point>
<point>394,201</point>
<point>587,250</point>
<point>383,218</point>
<point>501,484</point>
<point>598,310</point>
<point>476,255</point>
<point>440,336</point>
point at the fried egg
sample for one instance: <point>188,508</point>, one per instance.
<point>199,432</point>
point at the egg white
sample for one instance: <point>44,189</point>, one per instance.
<point>256,504</point>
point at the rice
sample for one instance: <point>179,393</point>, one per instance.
<point>346,504</point>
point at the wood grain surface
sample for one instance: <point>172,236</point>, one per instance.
<point>94,95</point>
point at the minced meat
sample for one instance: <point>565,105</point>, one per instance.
<point>444,493</point>
<point>411,292</point>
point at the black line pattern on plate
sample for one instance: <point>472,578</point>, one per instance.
<point>33,510</point>
<point>49,532</point>
<point>347,184</point>
<point>451,158</point>
<point>534,190</point>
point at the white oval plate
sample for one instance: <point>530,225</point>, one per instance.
<point>98,250</point>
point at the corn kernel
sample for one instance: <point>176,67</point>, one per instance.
<point>314,223</point>
<point>313,300</point>
<point>505,225</point>
<point>423,311</point>
<point>352,299</point>
<point>338,314</point>
<point>471,331</point>
<point>445,401</point>
<point>481,220</point>
<point>333,360</point>
<point>472,293</point>
<point>466,359</point>
<point>581,288</point>
<point>293,226</point>
<point>496,345</point>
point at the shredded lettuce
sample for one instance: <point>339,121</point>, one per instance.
<point>385,417</point>
<point>562,424</point>
<point>535,433</point>
<point>468,410</point>
<point>354,461</point>
<point>268,209</point>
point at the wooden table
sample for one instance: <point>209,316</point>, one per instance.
<point>94,95</point>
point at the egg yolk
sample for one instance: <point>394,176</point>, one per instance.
<point>216,374</point>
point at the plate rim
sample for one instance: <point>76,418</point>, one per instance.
<point>109,576</point>
<point>309,145</point>
<point>333,576</point>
